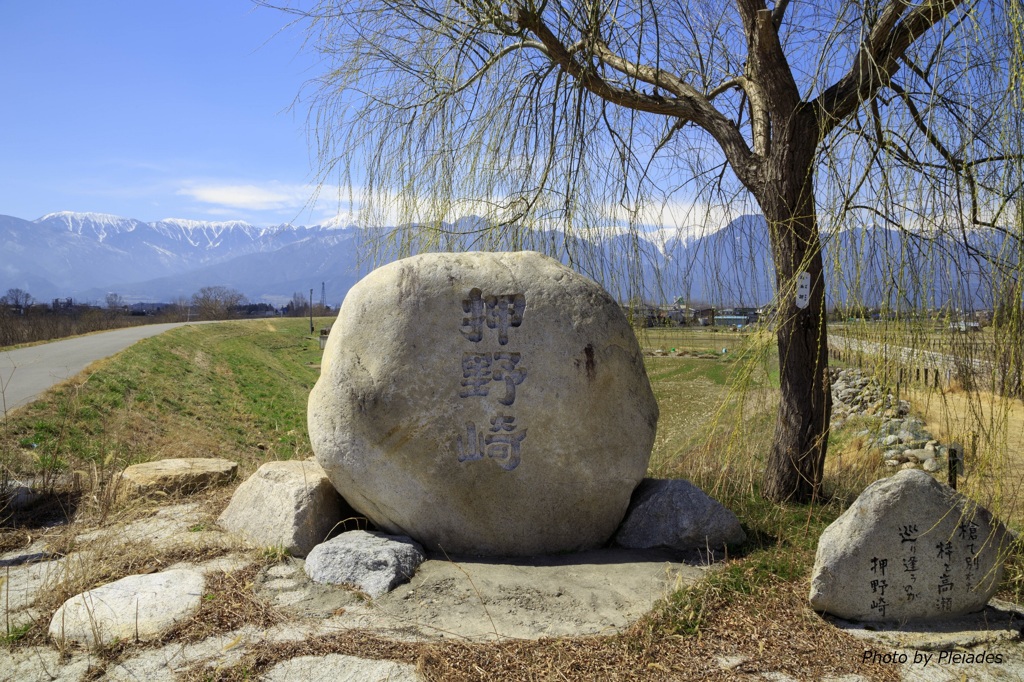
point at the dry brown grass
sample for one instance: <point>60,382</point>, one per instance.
<point>229,602</point>
<point>991,429</point>
<point>748,635</point>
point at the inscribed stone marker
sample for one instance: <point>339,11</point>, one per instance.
<point>484,403</point>
<point>909,548</point>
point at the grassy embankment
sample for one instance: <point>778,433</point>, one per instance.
<point>238,390</point>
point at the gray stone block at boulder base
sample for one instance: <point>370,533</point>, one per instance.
<point>909,548</point>
<point>484,403</point>
<point>285,504</point>
<point>138,607</point>
<point>678,515</point>
<point>372,562</point>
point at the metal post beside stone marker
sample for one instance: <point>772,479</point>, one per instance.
<point>955,458</point>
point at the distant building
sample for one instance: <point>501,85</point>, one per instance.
<point>705,317</point>
<point>730,321</point>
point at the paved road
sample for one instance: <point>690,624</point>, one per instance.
<point>26,373</point>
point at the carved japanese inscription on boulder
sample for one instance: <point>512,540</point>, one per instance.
<point>484,403</point>
<point>909,548</point>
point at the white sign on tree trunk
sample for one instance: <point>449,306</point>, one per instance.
<point>803,289</point>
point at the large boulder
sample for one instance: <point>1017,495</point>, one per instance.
<point>909,548</point>
<point>490,404</point>
<point>285,504</point>
<point>676,514</point>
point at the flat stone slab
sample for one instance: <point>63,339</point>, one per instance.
<point>138,607</point>
<point>983,646</point>
<point>185,475</point>
<point>285,504</point>
<point>341,668</point>
<point>22,581</point>
<point>169,662</point>
<point>1000,622</point>
<point>45,664</point>
<point>177,527</point>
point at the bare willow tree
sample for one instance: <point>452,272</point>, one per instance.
<point>588,116</point>
<point>217,302</point>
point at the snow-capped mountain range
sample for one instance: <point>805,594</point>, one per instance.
<point>85,256</point>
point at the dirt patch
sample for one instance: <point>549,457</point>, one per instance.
<point>597,592</point>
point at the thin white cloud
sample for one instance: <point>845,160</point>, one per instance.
<point>270,196</point>
<point>270,201</point>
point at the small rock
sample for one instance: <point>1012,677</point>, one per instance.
<point>891,427</point>
<point>908,465</point>
<point>678,515</point>
<point>916,455</point>
<point>20,497</point>
<point>186,475</point>
<point>136,608</point>
<point>731,662</point>
<point>931,464</point>
<point>372,562</point>
<point>285,504</point>
<point>892,463</point>
<point>906,437</point>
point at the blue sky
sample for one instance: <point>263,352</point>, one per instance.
<point>153,110</point>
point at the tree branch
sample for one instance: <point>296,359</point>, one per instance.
<point>878,59</point>
<point>687,104</point>
<point>779,12</point>
<point>773,93</point>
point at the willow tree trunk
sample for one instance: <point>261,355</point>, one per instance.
<point>786,195</point>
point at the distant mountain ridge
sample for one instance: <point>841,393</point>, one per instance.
<point>85,256</point>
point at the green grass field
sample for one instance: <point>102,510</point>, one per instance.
<point>236,390</point>
<point>692,339</point>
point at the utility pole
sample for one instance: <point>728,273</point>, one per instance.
<point>311,328</point>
